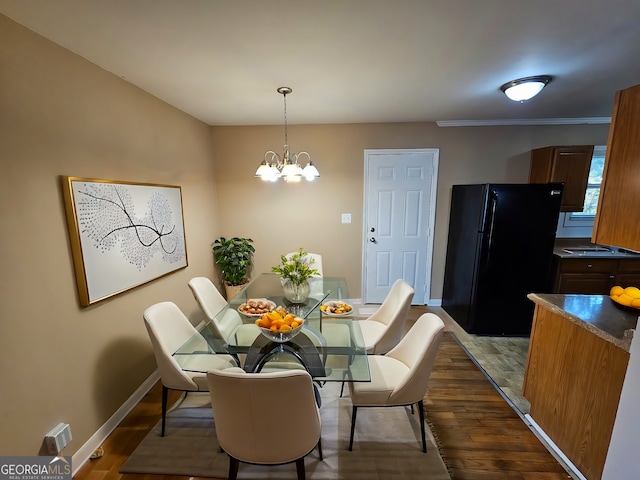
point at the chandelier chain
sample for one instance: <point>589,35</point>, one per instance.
<point>286,140</point>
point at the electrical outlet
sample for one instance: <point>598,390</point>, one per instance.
<point>346,218</point>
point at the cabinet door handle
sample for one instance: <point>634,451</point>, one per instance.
<point>589,265</point>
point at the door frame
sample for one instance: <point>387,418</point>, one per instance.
<point>435,152</point>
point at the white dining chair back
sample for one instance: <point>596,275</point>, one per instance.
<point>168,330</point>
<point>247,406</point>
<point>401,377</point>
<point>385,327</point>
<point>211,302</point>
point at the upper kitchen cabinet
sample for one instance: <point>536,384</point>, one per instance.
<point>567,164</point>
<point>616,220</point>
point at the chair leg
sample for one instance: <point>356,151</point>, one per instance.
<point>353,426</point>
<point>233,468</point>
<point>342,389</point>
<point>165,393</point>
<point>299,469</point>
<point>316,393</point>
<point>424,440</point>
<point>320,448</point>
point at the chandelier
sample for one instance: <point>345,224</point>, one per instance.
<point>286,166</point>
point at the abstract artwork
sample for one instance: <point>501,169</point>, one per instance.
<point>122,234</point>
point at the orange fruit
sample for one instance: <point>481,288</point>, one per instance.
<point>285,328</point>
<point>262,323</point>
<point>635,303</point>
<point>617,290</point>
<point>625,300</point>
<point>633,292</point>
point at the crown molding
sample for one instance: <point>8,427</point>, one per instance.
<point>524,121</point>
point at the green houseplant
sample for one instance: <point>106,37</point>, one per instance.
<point>295,272</point>
<point>235,258</point>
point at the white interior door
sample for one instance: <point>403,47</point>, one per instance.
<point>399,207</point>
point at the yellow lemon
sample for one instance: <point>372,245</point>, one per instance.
<point>617,290</point>
<point>633,292</point>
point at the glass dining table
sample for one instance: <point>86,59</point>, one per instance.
<point>330,348</point>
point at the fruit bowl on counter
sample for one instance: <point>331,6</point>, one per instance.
<point>627,297</point>
<point>279,325</point>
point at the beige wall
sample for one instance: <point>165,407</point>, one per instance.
<point>61,115</point>
<point>281,217</point>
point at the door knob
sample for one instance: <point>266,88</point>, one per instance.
<point>372,240</point>
<point>373,229</point>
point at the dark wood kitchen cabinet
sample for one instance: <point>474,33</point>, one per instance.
<point>628,273</point>
<point>595,276</point>
<point>585,275</point>
<point>566,164</point>
<point>616,218</point>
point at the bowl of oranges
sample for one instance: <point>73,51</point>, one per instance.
<point>279,325</point>
<point>628,297</point>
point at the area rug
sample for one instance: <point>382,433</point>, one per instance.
<point>387,445</point>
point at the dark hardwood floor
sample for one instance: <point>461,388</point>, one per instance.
<point>480,435</point>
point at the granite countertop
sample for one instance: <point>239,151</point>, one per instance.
<point>596,313</point>
<point>593,250</point>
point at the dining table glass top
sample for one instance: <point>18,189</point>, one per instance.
<point>330,348</point>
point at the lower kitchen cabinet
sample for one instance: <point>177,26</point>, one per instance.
<point>578,356</point>
<point>628,273</point>
<point>595,276</point>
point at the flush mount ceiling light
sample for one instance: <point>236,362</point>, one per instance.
<point>287,167</point>
<point>523,89</point>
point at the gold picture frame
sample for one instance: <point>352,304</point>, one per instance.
<point>122,234</point>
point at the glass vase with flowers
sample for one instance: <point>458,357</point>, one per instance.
<point>294,271</point>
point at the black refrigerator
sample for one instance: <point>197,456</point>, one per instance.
<point>500,249</point>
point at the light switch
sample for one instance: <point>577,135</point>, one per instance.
<point>346,218</point>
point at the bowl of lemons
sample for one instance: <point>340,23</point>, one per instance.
<point>279,325</point>
<point>628,297</point>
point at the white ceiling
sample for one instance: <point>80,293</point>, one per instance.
<point>353,61</point>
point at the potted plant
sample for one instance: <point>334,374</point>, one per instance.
<point>235,257</point>
<point>295,272</point>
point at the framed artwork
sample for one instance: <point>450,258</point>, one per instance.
<point>122,234</point>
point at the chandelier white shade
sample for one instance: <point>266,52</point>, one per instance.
<point>287,166</point>
<point>523,89</point>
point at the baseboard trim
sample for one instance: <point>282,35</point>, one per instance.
<point>84,453</point>
<point>553,448</point>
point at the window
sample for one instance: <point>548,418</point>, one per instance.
<point>593,184</point>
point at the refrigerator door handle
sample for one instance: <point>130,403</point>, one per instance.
<point>494,204</point>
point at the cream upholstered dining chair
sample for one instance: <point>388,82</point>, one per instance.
<point>168,330</point>
<point>385,327</point>
<point>400,377</point>
<point>316,264</point>
<point>211,302</point>
<point>243,405</point>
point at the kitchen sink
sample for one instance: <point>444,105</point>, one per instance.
<point>628,252</point>
<point>586,250</point>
